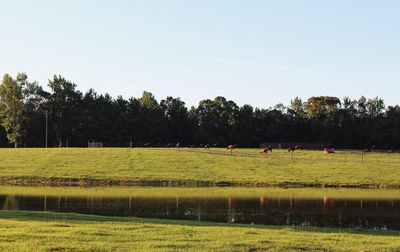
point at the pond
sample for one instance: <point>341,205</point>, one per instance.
<point>264,207</point>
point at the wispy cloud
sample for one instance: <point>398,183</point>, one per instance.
<point>264,65</point>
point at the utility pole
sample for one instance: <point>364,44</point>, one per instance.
<point>47,120</point>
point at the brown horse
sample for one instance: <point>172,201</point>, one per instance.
<point>329,150</point>
<point>265,150</point>
<point>231,147</point>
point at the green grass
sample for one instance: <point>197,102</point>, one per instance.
<point>28,231</point>
<point>122,166</point>
<point>203,192</point>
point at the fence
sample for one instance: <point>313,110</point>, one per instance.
<point>93,144</point>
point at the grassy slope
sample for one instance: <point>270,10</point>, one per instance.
<point>202,192</point>
<point>309,167</point>
<point>27,231</point>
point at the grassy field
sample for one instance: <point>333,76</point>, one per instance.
<point>127,166</point>
<point>27,231</point>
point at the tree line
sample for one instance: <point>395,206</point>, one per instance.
<point>74,118</point>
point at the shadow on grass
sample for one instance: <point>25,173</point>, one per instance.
<point>52,216</point>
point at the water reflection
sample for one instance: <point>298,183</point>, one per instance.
<point>325,212</point>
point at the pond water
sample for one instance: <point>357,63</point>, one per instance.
<point>264,209</point>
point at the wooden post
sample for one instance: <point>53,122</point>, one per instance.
<point>362,157</point>
<point>45,203</point>
<point>177,205</point>
<point>47,123</point>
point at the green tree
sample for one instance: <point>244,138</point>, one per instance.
<point>296,108</point>
<point>11,109</point>
<point>177,120</point>
<point>148,101</point>
<point>64,109</point>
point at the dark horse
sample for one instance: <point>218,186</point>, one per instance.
<point>297,147</point>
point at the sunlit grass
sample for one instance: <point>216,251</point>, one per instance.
<point>112,164</point>
<point>202,192</point>
<point>27,231</point>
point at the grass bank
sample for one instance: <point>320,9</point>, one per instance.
<point>27,231</point>
<point>113,166</point>
<point>202,192</point>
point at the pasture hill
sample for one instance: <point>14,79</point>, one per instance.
<point>198,167</point>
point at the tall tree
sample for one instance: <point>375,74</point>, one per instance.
<point>11,109</point>
<point>64,109</point>
<point>178,124</point>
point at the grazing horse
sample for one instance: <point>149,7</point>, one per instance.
<point>265,150</point>
<point>297,147</point>
<point>291,149</point>
<point>329,150</point>
<point>207,147</point>
<point>390,151</point>
<point>231,147</point>
<point>367,150</point>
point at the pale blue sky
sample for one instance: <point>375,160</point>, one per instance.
<point>256,52</point>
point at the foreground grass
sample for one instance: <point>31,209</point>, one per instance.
<point>28,231</point>
<point>309,168</point>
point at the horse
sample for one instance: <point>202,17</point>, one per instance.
<point>329,150</point>
<point>207,147</point>
<point>265,150</point>
<point>292,149</point>
<point>231,147</point>
<point>367,150</point>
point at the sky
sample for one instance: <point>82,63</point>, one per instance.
<point>252,52</point>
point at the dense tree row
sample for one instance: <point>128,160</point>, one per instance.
<point>74,118</point>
